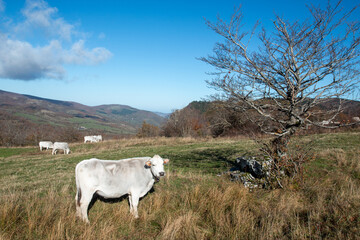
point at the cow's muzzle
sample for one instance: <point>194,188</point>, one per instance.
<point>161,174</point>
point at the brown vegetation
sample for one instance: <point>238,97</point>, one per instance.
<point>185,205</point>
<point>17,131</point>
<point>148,130</point>
<point>219,119</point>
<point>25,120</point>
<point>186,122</point>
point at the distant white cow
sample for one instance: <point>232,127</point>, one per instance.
<point>45,144</point>
<point>115,178</point>
<point>95,138</point>
<point>89,139</point>
<point>99,138</point>
<point>61,146</point>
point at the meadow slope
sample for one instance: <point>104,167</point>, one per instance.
<point>37,193</point>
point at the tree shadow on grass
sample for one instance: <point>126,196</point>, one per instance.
<point>225,155</point>
<point>209,160</point>
<point>215,155</point>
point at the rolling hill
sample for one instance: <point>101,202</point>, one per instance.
<point>111,119</point>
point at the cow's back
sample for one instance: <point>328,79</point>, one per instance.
<point>45,144</point>
<point>61,145</point>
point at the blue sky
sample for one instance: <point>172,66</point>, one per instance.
<point>137,53</point>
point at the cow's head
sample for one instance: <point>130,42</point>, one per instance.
<point>156,165</point>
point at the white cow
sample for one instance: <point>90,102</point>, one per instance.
<point>61,146</point>
<point>95,138</point>
<point>99,138</point>
<point>89,139</point>
<point>115,178</point>
<point>45,144</point>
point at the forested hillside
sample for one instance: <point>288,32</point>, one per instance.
<point>26,119</point>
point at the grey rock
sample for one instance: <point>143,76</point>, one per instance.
<point>250,172</point>
<point>251,166</point>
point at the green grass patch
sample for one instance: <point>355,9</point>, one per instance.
<point>93,124</point>
<point>31,117</point>
<point>7,152</point>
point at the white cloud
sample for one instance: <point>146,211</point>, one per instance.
<point>26,62</point>
<point>21,60</point>
<point>40,16</point>
<point>79,55</point>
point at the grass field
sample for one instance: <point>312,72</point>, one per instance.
<point>37,193</point>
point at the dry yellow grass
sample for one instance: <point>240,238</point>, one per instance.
<point>224,210</point>
<point>37,199</point>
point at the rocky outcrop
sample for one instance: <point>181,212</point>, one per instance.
<point>249,171</point>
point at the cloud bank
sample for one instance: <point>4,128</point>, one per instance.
<point>21,60</point>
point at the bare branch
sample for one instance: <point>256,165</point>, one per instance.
<point>297,66</point>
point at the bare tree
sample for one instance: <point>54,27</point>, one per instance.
<point>186,122</point>
<point>148,130</point>
<point>290,70</point>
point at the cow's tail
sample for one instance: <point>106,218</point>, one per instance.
<point>78,193</point>
<point>78,196</point>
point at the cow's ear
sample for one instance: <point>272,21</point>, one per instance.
<point>166,161</point>
<point>148,163</point>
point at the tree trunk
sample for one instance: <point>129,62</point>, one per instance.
<point>279,148</point>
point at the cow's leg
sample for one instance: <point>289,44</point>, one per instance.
<point>130,203</point>
<point>134,202</point>
<point>53,151</point>
<point>84,205</point>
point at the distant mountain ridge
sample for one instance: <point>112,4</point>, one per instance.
<point>113,118</point>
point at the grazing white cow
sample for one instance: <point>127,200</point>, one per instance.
<point>116,178</point>
<point>89,139</point>
<point>61,146</point>
<point>95,138</point>
<point>45,144</point>
<point>99,138</point>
